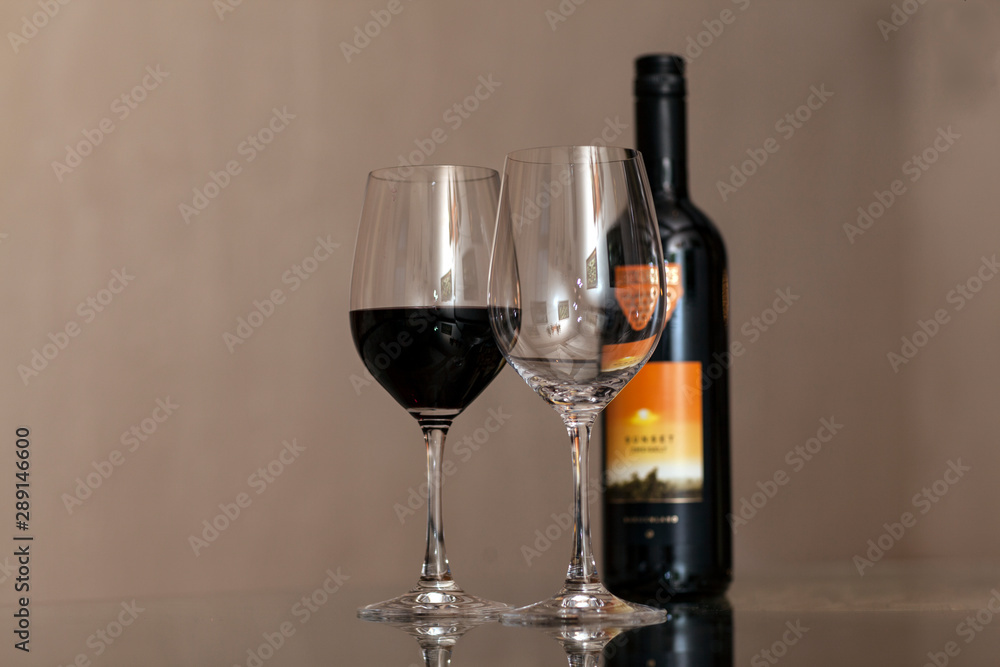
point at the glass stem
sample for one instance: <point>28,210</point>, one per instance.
<point>437,657</point>
<point>584,659</point>
<point>436,569</point>
<point>582,568</point>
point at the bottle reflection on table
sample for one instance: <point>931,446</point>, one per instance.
<point>695,634</point>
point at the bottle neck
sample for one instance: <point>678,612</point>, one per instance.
<point>661,137</point>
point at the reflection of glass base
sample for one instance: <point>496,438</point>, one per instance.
<point>584,603</point>
<point>432,600</point>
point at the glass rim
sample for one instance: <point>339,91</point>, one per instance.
<point>581,154</point>
<point>426,173</point>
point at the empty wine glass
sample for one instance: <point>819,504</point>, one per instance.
<point>419,321</point>
<point>576,303</point>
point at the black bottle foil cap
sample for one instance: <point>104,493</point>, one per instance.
<point>659,74</point>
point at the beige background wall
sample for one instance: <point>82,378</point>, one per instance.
<point>333,506</point>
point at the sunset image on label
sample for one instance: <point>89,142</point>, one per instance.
<point>654,436</point>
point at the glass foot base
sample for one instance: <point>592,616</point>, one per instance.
<point>433,600</point>
<point>584,604</point>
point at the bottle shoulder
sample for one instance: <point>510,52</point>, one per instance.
<point>683,226</point>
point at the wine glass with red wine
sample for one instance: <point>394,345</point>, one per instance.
<point>419,321</point>
<point>576,303</point>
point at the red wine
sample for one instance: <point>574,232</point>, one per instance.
<point>666,435</point>
<point>428,359</point>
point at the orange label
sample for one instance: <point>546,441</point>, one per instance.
<point>637,291</point>
<point>616,356</point>
<point>675,288</point>
<point>653,436</point>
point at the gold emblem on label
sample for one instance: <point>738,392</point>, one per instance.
<point>637,289</point>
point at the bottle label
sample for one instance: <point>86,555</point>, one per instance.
<point>675,288</point>
<point>617,356</point>
<point>637,290</point>
<point>653,436</point>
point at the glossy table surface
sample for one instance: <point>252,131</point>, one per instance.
<point>897,614</point>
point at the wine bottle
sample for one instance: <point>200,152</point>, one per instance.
<point>666,435</point>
